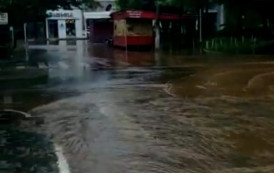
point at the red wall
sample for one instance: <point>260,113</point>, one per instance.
<point>133,41</point>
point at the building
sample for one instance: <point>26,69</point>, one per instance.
<point>76,24</point>
<point>99,26</point>
<point>214,18</point>
<point>135,28</point>
<point>65,24</point>
<point>6,35</point>
<point>99,23</point>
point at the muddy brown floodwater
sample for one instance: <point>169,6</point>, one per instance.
<point>145,130</point>
<point>166,114</point>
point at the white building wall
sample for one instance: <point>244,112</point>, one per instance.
<point>79,28</point>
<point>47,29</point>
<point>62,29</point>
<point>220,12</point>
<point>61,16</point>
<point>79,23</point>
<point>221,17</point>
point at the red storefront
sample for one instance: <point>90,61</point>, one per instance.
<point>135,28</point>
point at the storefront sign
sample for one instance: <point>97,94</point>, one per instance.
<point>60,14</point>
<point>140,14</point>
<point>4,18</point>
<point>135,14</point>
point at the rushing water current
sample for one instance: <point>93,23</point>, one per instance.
<point>159,113</point>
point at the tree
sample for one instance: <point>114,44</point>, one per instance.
<point>249,17</point>
<point>165,5</point>
<point>186,5</point>
<point>21,11</point>
<point>136,4</point>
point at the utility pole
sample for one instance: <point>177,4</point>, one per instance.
<point>157,27</point>
<point>200,26</point>
<point>26,42</point>
<point>200,31</point>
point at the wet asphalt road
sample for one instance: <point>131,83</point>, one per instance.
<point>115,111</point>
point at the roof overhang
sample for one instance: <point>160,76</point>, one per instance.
<point>97,15</point>
<point>136,14</point>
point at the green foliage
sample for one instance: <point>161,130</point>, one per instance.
<point>140,4</point>
<point>254,11</point>
<point>249,15</point>
<point>21,11</point>
<point>188,3</point>
<point>135,4</point>
<point>233,45</point>
<point>5,3</point>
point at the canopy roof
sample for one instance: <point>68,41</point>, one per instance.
<point>125,14</point>
<point>97,15</point>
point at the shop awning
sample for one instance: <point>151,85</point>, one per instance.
<point>125,14</point>
<point>97,15</point>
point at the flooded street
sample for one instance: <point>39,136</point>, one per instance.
<point>114,111</point>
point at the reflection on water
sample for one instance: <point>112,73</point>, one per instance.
<point>145,112</point>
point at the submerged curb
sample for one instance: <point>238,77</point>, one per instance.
<point>61,160</point>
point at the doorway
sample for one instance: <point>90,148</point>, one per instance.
<point>70,28</point>
<point>53,28</point>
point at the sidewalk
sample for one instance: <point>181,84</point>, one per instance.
<point>16,70</point>
<point>23,151</point>
<point>20,78</point>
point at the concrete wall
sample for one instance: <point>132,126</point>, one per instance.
<point>62,29</point>
<point>220,11</point>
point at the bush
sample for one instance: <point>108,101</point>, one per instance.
<point>232,45</point>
